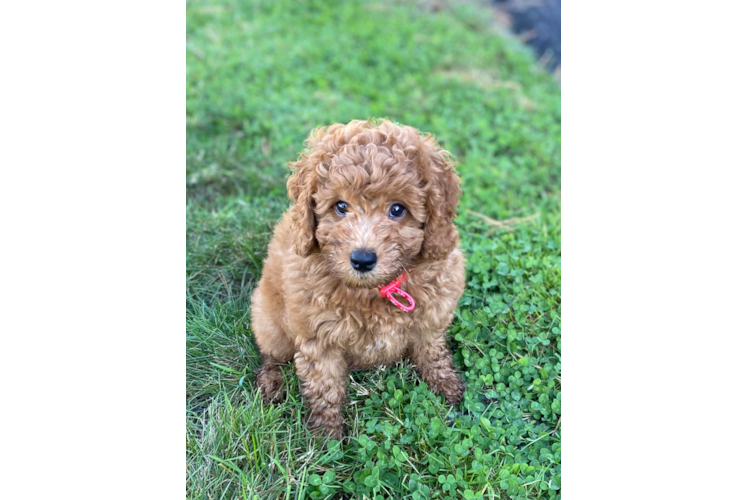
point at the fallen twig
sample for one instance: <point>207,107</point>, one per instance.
<point>506,224</point>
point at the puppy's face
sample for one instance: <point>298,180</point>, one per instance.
<point>370,219</point>
<point>373,198</point>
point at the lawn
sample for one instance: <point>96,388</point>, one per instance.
<point>260,76</point>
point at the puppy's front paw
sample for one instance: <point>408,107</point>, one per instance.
<point>332,429</point>
<point>270,381</point>
<point>452,387</point>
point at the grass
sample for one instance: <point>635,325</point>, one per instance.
<point>260,76</point>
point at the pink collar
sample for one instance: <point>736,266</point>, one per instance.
<point>394,288</point>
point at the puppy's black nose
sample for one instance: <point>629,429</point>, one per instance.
<point>363,260</point>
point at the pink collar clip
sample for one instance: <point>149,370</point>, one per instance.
<point>392,288</point>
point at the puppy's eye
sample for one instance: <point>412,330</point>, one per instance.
<point>341,207</point>
<point>397,211</point>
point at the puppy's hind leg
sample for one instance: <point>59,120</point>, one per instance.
<point>275,346</point>
<point>270,380</point>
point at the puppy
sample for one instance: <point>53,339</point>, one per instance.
<point>363,269</point>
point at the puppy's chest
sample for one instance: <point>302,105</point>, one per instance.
<point>378,340</point>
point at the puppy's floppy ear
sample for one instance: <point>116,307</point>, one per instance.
<point>442,195</point>
<point>303,184</point>
<point>301,187</point>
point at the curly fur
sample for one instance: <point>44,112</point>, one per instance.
<point>313,307</point>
